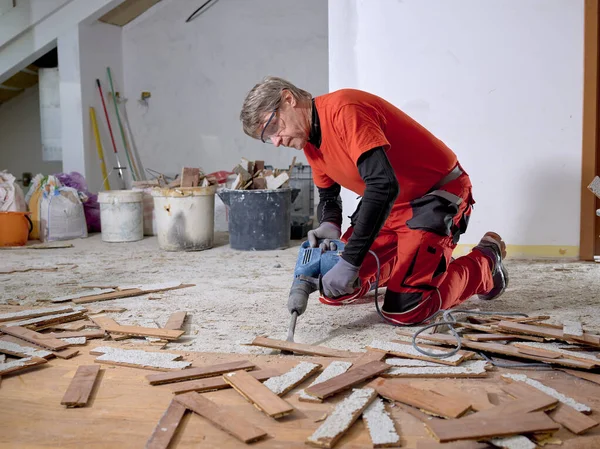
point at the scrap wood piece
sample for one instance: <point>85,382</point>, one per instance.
<point>280,385</point>
<point>175,321</point>
<point>104,321</point>
<point>167,426</point>
<point>369,356</point>
<point>126,294</point>
<point>575,421</point>
<point>529,319</point>
<point>34,313</point>
<point>342,418</point>
<point>228,421</point>
<point>66,353</point>
<point>347,380</point>
<point>45,321</point>
<point>548,332</point>
<point>82,294</point>
<point>496,348</point>
<point>112,327</point>
<point>74,334</point>
<point>42,340</point>
<point>490,337</point>
<point>139,359</point>
<point>493,330</point>
<point>102,310</point>
<point>423,399</point>
<point>380,425</point>
<point>301,348</point>
<point>583,375</point>
<point>332,370</point>
<point>164,334</point>
<point>12,348</point>
<point>199,372</point>
<point>555,350</point>
<point>572,329</point>
<point>469,369</point>
<point>26,269</point>
<point>190,177</point>
<point>491,426</point>
<point>528,399</point>
<point>258,395</point>
<point>549,391</point>
<point>515,442</point>
<point>479,400</point>
<point>218,383</point>
<point>407,350</point>
<point>21,364</point>
<point>525,402</point>
<point>81,386</point>
<point>73,325</point>
<point>45,245</point>
<point>538,352</point>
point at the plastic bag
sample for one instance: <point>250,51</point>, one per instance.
<point>91,206</point>
<point>12,198</point>
<point>61,213</point>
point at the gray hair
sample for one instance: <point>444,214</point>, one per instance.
<point>264,98</point>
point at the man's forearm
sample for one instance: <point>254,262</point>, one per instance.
<point>330,207</point>
<point>380,194</point>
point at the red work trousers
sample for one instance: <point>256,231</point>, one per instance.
<point>415,248</point>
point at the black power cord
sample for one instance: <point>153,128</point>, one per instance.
<point>197,12</point>
<point>450,321</point>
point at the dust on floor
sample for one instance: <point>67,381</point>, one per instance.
<point>239,295</point>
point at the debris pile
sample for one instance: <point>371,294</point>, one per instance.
<point>190,177</point>
<point>252,175</point>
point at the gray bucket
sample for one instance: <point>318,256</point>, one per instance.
<point>259,220</point>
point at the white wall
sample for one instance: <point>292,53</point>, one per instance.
<point>20,136</point>
<point>199,73</point>
<point>500,82</point>
<point>101,47</point>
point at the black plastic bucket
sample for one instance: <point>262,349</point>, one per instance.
<point>259,220</point>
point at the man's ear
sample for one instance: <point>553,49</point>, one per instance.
<point>287,97</point>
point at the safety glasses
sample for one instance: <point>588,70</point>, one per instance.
<point>271,128</point>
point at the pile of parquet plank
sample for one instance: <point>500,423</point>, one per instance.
<point>528,414</point>
<point>365,385</point>
<point>31,337</point>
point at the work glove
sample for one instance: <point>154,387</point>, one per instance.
<point>340,280</point>
<point>327,231</point>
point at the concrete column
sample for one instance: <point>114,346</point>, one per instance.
<point>73,149</point>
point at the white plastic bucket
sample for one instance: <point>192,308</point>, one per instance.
<point>185,218</point>
<point>121,215</point>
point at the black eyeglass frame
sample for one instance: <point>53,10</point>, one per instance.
<point>267,125</point>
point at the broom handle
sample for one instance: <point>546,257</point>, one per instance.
<point>112,137</point>
<point>132,166</point>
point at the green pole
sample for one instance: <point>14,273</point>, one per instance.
<point>133,168</point>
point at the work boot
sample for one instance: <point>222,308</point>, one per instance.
<point>492,247</point>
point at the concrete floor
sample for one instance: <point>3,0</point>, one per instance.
<point>239,295</point>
